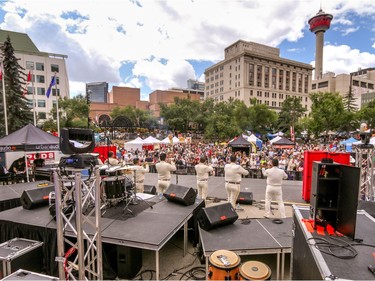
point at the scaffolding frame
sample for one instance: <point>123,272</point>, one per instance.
<point>77,204</point>
<point>365,154</point>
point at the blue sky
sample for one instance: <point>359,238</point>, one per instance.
<point>155,44</point>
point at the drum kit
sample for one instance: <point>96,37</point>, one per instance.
<point>118,186</point>
<point>226,265</point>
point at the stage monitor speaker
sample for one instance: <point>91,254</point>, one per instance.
<point>245,198</point>
<point>216,216</point>
<point>150,189</point>
<point>181,194</point>
<point>34,198</point>
<point>129,262</point>
<point>76,141</point>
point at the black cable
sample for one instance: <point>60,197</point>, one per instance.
<point>331,248</point>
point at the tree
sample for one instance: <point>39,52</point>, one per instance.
<point>291,111</point>
<point>139,117</point>
<point>18,110</point>
<point>367,114</point>
<point>261,118</point>
<point>327,112</point>
<point>349,99</point>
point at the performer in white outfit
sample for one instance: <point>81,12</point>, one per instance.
<point>164,170</point>
<point>203,171</point>
<point>275,178</point>
<point>233,177</point>
<point>139,171</point>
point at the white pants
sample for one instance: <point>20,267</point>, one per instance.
<point>233,190</point>
<point>202,187</point>
<point>139,187</point>
<point>275,193</point>
<point>162,186</point>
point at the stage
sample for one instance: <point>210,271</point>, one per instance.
<point>251,237</point>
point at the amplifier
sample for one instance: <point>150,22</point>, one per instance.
<point>20,253</point>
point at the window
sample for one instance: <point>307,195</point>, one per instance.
<point>313,86</point>
<point>54,92</point>
<point>29,90</point>
<point>287,80</point>
<point>40,79</point>
<point>42,115</point>
<point>41,103</point>
<point>39,66</point>
<point>54,68</point>
<point>41,91</point>
<point>29,65</point>
<point>323,84</point>
<point>266,77</point>
<point>281,79</point>
<point>251,92</point>
<point>251,74</point>
<point>259,75</point>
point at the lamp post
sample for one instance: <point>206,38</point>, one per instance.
<point>89,92</point>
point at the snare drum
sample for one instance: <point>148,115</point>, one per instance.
<point>114,187</point>
<point>255,270</point>
<point>223,265</point>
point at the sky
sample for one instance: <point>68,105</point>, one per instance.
<point>157,45</point>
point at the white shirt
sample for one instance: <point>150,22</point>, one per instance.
<point>234,172</point>
<point>274,176</point>
<point>140,173</point>
<point>202,171</point>
<point>164,170</point>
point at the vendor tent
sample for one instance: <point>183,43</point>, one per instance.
<point>134,144</point>
<point>151,140</point>
<point>167,140</point>
<point>241,144</point>
<point>283,143</point>
<point>253,139</point>
<point>275,139</point>
<point>29,138</point>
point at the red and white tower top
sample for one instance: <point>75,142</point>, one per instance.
<point>320,22</point>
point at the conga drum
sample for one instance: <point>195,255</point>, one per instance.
<point>255,270</point>
<point>223,265</point>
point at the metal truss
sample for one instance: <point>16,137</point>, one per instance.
<point>78,211</point>
<point>365,154</point>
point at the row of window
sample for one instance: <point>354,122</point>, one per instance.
<point>40,66</point>
<point>39,103</point>
<point>41,91</point>
<point>356,83</point>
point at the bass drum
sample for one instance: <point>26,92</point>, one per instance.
<point>255,270</point>
<point>223,265</point>
<point>114,187</point>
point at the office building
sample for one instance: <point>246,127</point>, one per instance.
<point>255,71</point>
<point>98,91</point>
<point>42,67</point>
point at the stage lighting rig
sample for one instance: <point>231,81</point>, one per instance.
<point>79,143</point>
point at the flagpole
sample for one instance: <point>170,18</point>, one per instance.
<point>4,100</point>
<point>57,109</point>
<point>32,86</point>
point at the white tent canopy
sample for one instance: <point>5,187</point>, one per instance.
<point>275,139</point>
<point>134,144</point>
<point>167,141</point>
<point>151,140</point>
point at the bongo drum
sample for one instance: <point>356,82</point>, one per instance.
<point>223,265</point>
<point>255,270</point>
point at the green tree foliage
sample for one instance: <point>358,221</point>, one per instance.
<point>349,99</point>
<point>261,118</point>
<point>367,114</point>
<point>181,116</point>
<point>291,111</point>
<point>138,117</point>
<point>327,112</point>
<point>18,111</point>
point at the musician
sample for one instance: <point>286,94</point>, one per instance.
<point>233,176</point>
<point>111,161</point>
<point>164,169</point>
<point>139,174</point>
<point>203,171</point>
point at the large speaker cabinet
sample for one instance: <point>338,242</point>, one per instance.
<point>334,196</point>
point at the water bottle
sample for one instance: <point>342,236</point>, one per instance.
<point>160,195</point>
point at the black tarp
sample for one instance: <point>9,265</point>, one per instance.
<point>29,138</point>
<point>239,142</point>
<point>283,143</point>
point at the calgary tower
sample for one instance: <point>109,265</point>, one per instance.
<point>319,24</point>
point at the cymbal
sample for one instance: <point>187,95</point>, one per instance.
<point>129,168</point>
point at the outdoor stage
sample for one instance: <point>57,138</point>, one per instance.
<point>151,229</point>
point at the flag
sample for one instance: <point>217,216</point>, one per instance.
<point>27,83</point>
<point>53,83</point>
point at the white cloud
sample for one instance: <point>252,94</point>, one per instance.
<point>100,36</point>
<point>343,59</point>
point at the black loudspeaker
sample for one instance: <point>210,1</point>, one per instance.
<point>34,198</point>
<point>129,261</point>
<point>180,194</point>
<point>245,198</point>
<point>150,189</point>
<point>215,216</point>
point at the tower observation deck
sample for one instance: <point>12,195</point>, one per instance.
<point>319,24</point>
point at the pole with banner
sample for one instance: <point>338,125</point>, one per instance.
<point>2,76</point>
